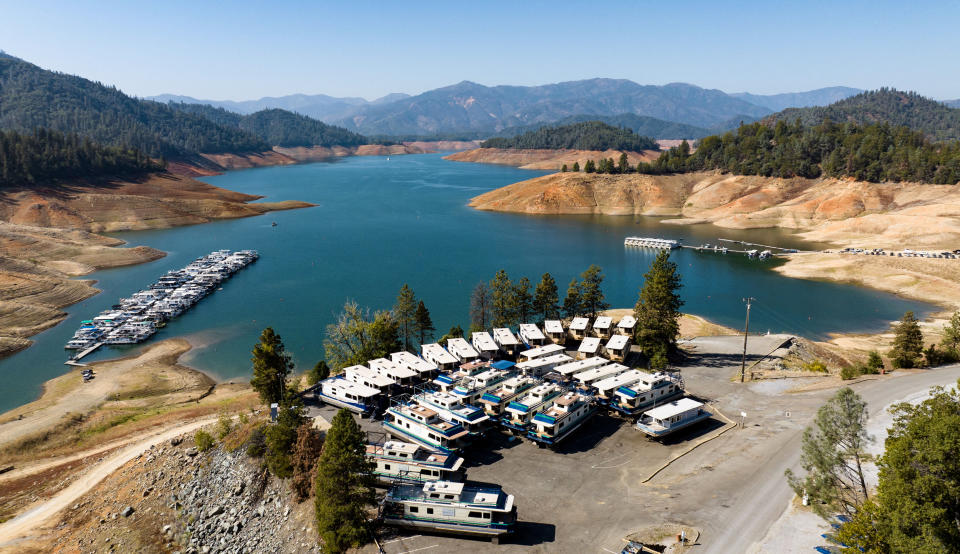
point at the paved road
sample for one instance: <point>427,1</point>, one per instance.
<point>755,511</point>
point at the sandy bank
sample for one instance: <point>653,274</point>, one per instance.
<point>545,159</point>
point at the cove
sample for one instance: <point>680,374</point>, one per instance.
<point>383,222</point>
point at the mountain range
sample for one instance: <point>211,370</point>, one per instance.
<point>318,106</point>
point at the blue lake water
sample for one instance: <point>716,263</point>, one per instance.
<point>380,223</point>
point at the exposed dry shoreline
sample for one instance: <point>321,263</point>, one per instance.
<point>304,154</point>
<point>545,159</point>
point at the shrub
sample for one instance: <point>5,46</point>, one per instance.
<point>849,372</point>
<point>203,440</point>
<point>257,445</point>
<point>867,369</point>
<point>874,361</point>
<point>223,427</point>
<point>815,366</point>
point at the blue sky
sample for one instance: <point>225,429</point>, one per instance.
<point>241,50</point>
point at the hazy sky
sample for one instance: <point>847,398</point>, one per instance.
<point>242,50</point>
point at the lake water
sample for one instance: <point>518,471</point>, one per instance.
<point>380,223</point>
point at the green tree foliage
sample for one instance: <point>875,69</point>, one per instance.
<point>951,334</point>
<point>546,299</point>
<point>423,324</point>
<point>917,503</point>
<point>502,300</point>
<point>455,332</point>
<point>874,361</point>
<point>522,301</point>
<point>356,337</point>
<point>592,299</point>
<point>46,157</point>
<point>319,372</point>
<point>623,165</point>
<point>32,98</point>
<point>588,135</point>
<point>281,436</point>
<point>271,367</point>
<point>658,310</point>
<point>907,348</point>
<point>257,443</point>
<point>288,129</point>
<point>343,486</point>
<point>480,307</point>
<point>203,440</point>
<point>573,302</point>
<point>563,168</point>
<point>405,314</point>
<point>306,450</point>
<point>590,167</point>
<point>576,167</point>
<point>874,153</point>
<point>832,454</point>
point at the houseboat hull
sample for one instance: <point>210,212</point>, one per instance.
<point>635,412</point>
<point>362,409</point>
<point>446,527</point>
<point>659,433</point>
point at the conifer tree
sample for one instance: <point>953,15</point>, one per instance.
<point>576,167</point>
<point>907,343</point>
<point>522,301</point>
<point>281,436</point>
<point>271,366</point>
<point>502,300</point>
<point>424,325</point>
<point>590,166</point>
<point>563,168</point>
<point>319,372</point>
<point>624,165</point>
<point>343,486</point>
<point>546,299</point>
<point>658,310</point>
<point>572,306</point>
<point>455,332</point>
<point>592,300</point>
<point>405,315</point>
<point>480,307</point>
<point>951,335</point>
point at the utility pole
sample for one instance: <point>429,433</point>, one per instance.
<point>746,331</point>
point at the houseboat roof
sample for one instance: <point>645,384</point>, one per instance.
<point>460,346</point>
<point>543,361</point>
<point>484,342</point>
<point>627,322</point>
<point>553,326</point>
<point>505,337</point>
<point>540,351</point>
<point>590,345</point>
<point>626,378</point>
<point>579,324</point>
<point>355,388</point>
<point>502,364</point>
<point>412,361</point>
<point>391,369</point>
<point>581,365</point>
<point>603,322</point>
<point>600,372</point>
<point>369,375</point>
<point>414,453</point>
<point>532,332</point>
<point>676,407</point>
<point>617,342</point>
<point>438,353</point>
<point>488,497</point>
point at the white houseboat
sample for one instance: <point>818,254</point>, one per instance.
<point>651,390</point>
<point>470,389</point>
<point>363,375</point>
<point>531,335</point>
<point>663,420</point>
<point>507,341</point>
<point>606,388</point>
<point>647,242</point>
<point>589,347</point>
<point>397,461</point>
<point>626,325</point>
<point>537,367</point>
<point>553,329</point>
<point>438,356</point>
<point>518,413</point>
<point>399,373</point>
<point>495,401</point>
<point>483,343</point>
<point>569,369</point>
<point>339,392</point>
<point>578,327</point>
<point>589,377</point>
<point>603,327</point>
<point>448,507</point>
<point>451,408</point>
<point>617,347</point>
<point>425,369</point>
<point>424,426</point>
<point>462,351</point>
<point>554,424</point>
<point>541,351</point>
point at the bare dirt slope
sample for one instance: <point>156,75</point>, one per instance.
<point>545,159</point>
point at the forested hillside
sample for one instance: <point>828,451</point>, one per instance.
<point>43,157</point>
<point>590,135</point>
<point>639,124</point>
<point>875,153</point>
<point>935,119</point>
<point>31,98</point>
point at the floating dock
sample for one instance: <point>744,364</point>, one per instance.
<point>648,242</point>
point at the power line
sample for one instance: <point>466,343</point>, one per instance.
<point>746,331</point>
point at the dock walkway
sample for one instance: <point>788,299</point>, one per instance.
<point>82,354</point>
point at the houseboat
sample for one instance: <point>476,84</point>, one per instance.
<point>483,343</point>
<point>425,369</point>
<point>603,327</point>
<point>606,388</point>
<point>568,413</point>
<point>589,377</point>
<point>518,413</point>
<point>669,418</point>
<point>569,369</point>
<point>537,367</point>
<point>363,375</point>
<point>651,390</point>
<point>399,373</point>
<point>617,347</point>
<point>627,325</point>
<point>448,507</point>
<point>507,341</point>
<point>553,329</point>
<point>531,335</point>
<point>495,401</point>
<point>396,461</point>
<point>438,356</point>
<point>462,351</point>
<point>541,351</point>
<point>446,382</point>
<point>419,424</point>
<point>647,242</point>
<point>470,389</point>
<point>451,408</point>
<point>338,391</point>
<point>578,327</point>
<point>589,347</point>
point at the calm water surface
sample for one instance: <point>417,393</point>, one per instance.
<point>379,224</point>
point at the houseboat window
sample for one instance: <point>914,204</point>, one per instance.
<point>486,515</point>
<point>386,466</point>
<point>477,515</point>
<point>429,511</point>
<point>434,495</point>
<point>403,454</point>
<point>426,472</point>
<point>448,497</point>
<point>414,509</point>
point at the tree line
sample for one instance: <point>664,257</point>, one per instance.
<point>589,135</point>
<point>44,156</point>
<point>874,153</point>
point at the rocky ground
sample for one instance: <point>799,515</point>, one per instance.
<point>545,159</point>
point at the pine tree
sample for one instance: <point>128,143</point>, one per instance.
<point>572,305</point>
<point>455,332</point>
<point>405,314</point>
<point>590,167</point>
<point>563,168</point>
<point>576,167</point>
<point>546,299</point>
<point>271,366</point>
<point>502,300</point>
<point>658,310</point>
<point>522,301</point>
<point>306,450</point>
<point>907,343</point>
<point>319,372</point>
<point>951,334</point>
<point>344,485</point>
<point>480,307</point>
<point>280,436</point>
<point>424,325</point>
<point>624,165</point>
<point>592,299</point>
